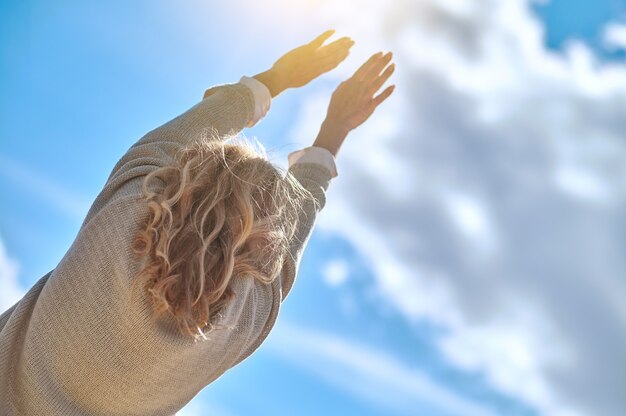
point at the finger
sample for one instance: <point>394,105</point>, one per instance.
<point>358,75</point>
<point>333,54</point>
<point>383,95</point>
<point>326,65</point>
<point>333,59</point>
<point>377,66</point>
<point>317,42</point>
<point>379,81</point>
<point>337,56</point>
<point>342,43</point>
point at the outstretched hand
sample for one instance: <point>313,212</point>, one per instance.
<point>303,64</point>
<point>354,101</point>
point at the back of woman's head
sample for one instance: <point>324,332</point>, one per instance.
<point>224,212</point>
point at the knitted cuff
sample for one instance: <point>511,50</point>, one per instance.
<point>314,154</point>
<point>262,98</point>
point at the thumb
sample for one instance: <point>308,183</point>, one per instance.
<point>317,42</point>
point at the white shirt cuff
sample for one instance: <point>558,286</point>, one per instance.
<point>262,98</point>
<point>314,154</point>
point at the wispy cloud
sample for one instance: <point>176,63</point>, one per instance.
<point>56,195</point>
<point>372,375</point>
<point>10,290</point>
<point>487,193</point>
<point>336,272</point>
<point>615,36</point>
<point>199,407</point>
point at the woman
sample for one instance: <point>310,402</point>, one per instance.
<point>179,269</point>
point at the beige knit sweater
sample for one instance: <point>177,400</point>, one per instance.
<point>74,345</point>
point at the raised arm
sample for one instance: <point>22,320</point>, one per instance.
<point>314,167</point>
<point>315,176</point>
<point>225,109</point>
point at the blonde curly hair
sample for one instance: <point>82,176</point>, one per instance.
<point>224,213</point>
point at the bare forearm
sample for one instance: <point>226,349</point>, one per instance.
<point>331,136</point>
<point>271,80</point>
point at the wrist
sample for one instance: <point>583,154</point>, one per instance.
<point>335,128</point>
<point>331,136</point>
<point>270,79</point>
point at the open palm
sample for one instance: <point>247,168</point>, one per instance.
<point>303,64</point>
<point>353,102</point>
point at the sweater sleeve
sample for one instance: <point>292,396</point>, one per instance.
<point>314,177</point>
<point>262,98</point>
<point>314,154</point>
<point>226,110</point>
<point>4,317</point>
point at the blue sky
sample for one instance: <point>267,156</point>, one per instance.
<point>580,19</point>
<point>81,81</point>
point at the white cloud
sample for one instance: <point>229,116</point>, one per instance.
<point>527,271</point>
<point>370,374</point>
<point>9,269</point>
<point>336,272</point>
<point>615,36</point>
<point>200,407</point>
